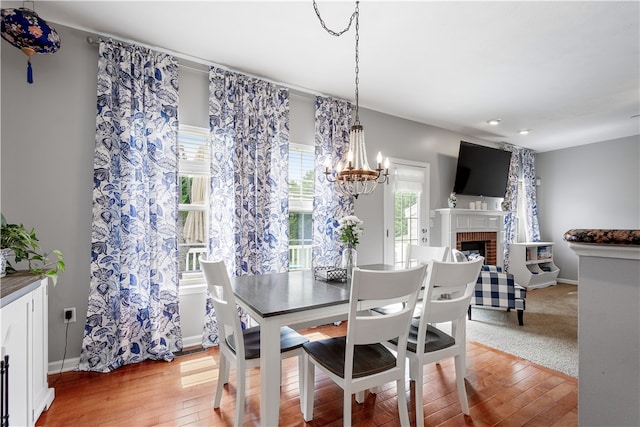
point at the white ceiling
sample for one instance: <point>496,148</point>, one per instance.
<point>569,71</point>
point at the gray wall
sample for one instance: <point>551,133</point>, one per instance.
<point>48,140</point>
<point>48,132</point>
<point>592,186</point>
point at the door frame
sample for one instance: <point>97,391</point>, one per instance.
<point>389,208</point>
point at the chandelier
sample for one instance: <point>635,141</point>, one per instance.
<point>352,175</point>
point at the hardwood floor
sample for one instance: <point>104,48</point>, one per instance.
<point>503,391</point>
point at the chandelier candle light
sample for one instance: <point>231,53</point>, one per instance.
<point>355,177</point>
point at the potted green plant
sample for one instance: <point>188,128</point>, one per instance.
<point>23,245</point>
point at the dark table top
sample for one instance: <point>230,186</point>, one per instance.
<point>276,294</point>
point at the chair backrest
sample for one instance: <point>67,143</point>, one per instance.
<point>383,288</point>
<point>224,303</point>
<point>424,254</point>
<point>457,256</point>
<point>457,279</point>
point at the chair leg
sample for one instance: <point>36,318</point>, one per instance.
<point>469,313</point>
<point>302,379</point>
<point>309,388</point>
<point>360,396</point>
<point>223,375</point>
<point>419,379</point>
<point>520,317</point>
<point>346,413</point>
<point>462,392</point>
<point>227,367</point>
<point>402,403</point>
<point>240,392</point>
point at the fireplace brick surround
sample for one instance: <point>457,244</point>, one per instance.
<point>489,238</point>
<point>469,225</point>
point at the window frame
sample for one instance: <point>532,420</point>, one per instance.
<point>301,205</point>
<point>190,169</point>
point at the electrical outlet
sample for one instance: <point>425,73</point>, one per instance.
<point>69,315</point>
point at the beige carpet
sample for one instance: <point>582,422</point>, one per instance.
<point>549,336</point>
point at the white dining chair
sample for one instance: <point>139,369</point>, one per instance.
<point>241,347</point>
<point>416,254</point>
<point>424,254</point>
<point>359,361</point>
<point>427,343</point>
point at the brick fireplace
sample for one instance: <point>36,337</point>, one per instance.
<point>486,240</point>
<point>479,230</point>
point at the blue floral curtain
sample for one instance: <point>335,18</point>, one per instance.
<point>522,166</point>
<point>133,302</point>
<point>329,205</point>
<point>510,204</point>
<point>529,188</point>
<point>249,121</point>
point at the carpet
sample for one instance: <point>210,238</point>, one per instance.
<point>549,336</point>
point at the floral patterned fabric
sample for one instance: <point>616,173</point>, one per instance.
<point>249,228</point>
<point>23,28</point>
<point>510,204</point>
<point>332,142</point>
<point>522,165</point>
<point>133,302</point>
<point>531,204</point>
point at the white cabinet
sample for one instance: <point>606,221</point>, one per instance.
<point>532,264</point>
<point>24,339</point>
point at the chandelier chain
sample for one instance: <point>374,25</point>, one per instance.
<point>355,15</point>
<point>329,30</point>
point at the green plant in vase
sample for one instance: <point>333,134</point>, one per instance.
<point>349,229</point>
<point>24,246</point>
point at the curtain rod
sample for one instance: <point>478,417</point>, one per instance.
<point>95,41</point>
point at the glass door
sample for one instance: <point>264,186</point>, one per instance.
<point>406,209</point>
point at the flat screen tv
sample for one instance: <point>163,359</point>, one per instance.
<point>481,171</point>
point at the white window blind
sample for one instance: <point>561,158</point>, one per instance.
<point>408,179</point>
<point>193,151</point>
<point>301,177</point>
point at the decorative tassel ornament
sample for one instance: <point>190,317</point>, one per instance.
<point>29,72</point>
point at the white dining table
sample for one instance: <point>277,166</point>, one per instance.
<point>294,299</point>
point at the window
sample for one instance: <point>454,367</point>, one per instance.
<point>301,178</point>
<point>194,174</point>
<point>406,223</point>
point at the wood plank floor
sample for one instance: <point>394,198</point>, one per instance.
<point>503,391</point>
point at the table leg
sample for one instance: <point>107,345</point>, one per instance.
<point>270,367</point>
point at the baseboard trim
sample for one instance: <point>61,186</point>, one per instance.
<point>69,365</point>
<point>567,281</point>
<point>72,364</point>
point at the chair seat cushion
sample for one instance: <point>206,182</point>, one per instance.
<point>289,340</point>
<point>435,340</point>
<point>368,359</point>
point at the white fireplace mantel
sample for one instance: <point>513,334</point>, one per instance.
<point>453,221</point>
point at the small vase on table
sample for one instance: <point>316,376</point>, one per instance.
<point>349,260</point>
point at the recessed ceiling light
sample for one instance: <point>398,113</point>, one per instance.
<point>494,122</point>
<point>524,131</point>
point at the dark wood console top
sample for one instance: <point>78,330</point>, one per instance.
<point>603,237</point>
<point>13,286</point>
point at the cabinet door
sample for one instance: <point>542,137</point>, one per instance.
<point>16,342</point>
<point>42,394</point>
